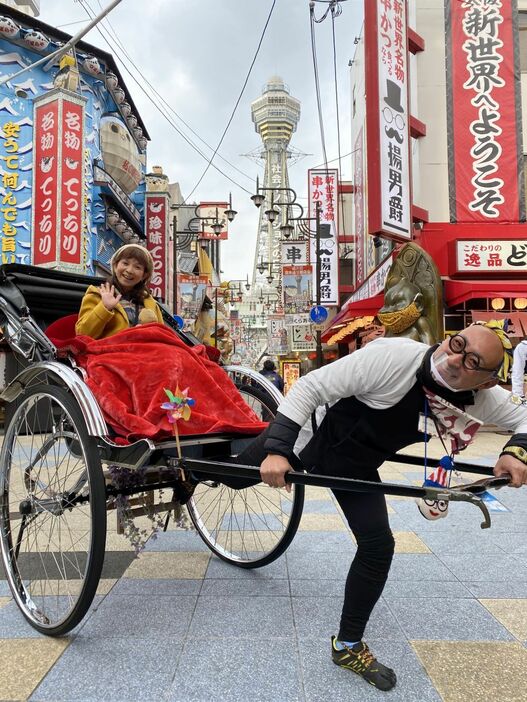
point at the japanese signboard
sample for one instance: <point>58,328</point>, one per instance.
<point>297,282</point>
<point>58,182</point>
<point>71,195</point>
<point>276,335</point>
<point>358,208</point>
<point>303,338</point>
<point>213,211</point>
<point>323,190</point>
<point>10,176</point>
<point>294,253</point>
<point>192,289</point>
<point>290,372</point>
<point>156,230</point>
<point>490,257</point>
<point>388,134</point>
<point>484,111</point>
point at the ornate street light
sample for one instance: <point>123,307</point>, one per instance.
<point>182,239</point>
<point>287,229</point>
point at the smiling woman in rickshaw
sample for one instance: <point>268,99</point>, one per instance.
<point>130,357</point>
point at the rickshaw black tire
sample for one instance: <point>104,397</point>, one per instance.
<point>296,507</point>
<point>97,510</point>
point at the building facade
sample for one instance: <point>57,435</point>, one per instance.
<point>72,152</point>
<point>439,138</point>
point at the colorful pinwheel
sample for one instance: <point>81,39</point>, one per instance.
<point>178,408</point>
<point>179,405</point>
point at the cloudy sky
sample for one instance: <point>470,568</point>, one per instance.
<point>197,55</point>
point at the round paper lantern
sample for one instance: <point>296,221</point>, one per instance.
<point>8,28</point>
<point>111,81</point>
<point>92,65</point>
<point>36,40</point>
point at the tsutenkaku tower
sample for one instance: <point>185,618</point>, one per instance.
<point>275,115</point>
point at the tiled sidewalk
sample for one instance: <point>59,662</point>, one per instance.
<point>178,624</point>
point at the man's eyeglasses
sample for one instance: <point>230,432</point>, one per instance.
<point>471,361</point>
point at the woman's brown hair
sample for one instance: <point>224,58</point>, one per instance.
<point>142,256</point>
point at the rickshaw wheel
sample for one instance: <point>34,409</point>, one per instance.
<point>52,510</point>
<point>253,526</point>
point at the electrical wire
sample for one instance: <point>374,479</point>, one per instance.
<point>238,100</point>
<point>160,97</point>
<point>107,39</point>
<point>340,194</point>
<point>317,81</point>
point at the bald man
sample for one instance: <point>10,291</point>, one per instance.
<point>369,405</point>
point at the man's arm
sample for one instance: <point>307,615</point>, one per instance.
<point>494,406</point>
<point>381,373</point>
<point>518,369</point>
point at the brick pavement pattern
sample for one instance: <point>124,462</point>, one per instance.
<point>179,625</point>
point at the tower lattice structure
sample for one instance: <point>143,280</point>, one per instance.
<point>275,115</point>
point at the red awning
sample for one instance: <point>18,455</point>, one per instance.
<point>457,291</point>
<point>351,310</point>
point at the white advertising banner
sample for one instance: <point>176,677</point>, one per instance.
<point>389,202</point>
<point>323,189</point>
<point>303,337</point>
<point>492,256</point>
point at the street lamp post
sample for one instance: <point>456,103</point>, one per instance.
<point>187,235</point>
<point>287,229</point>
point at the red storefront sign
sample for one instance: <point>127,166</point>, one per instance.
<point>58,181</point>
<point>45,183</point>
<point>484,111</point>
<point>71,182</point>
<point>156,229</point>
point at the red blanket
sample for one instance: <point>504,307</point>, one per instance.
<point>128,372</point>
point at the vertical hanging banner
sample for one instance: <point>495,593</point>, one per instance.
<point>58,223</point>
<point>323,189</point>
<point>358,208</point>
<point>71,194</point>
<point>156,231</point>
<point>484,111</point>
<point>45,182</point>
<point>9,211</point>
<point>387,119</point>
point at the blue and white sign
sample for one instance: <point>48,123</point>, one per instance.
<point>318,314</point>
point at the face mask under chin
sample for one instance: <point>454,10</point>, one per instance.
<point>436,375</point>
<point>435,366</point>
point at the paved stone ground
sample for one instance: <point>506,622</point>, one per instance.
<point>179,625</point>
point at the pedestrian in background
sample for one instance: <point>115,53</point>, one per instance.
<point>270,372</point>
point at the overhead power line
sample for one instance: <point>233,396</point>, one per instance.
<point>239,98</point>
<point>107,39</point>
<point>169,107</point>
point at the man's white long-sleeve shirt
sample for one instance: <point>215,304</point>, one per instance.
<point>518,368</point>
<point>380,375</point>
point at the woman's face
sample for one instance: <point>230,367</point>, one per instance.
<point>129,272</point>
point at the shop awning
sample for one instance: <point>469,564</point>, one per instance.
<point>458,291</point>
<point>518,320</point>
<point>350,311</point>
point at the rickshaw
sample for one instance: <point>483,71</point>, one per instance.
<point>58,455</point>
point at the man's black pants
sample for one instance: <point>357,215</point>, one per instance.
<point>367,517</point>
